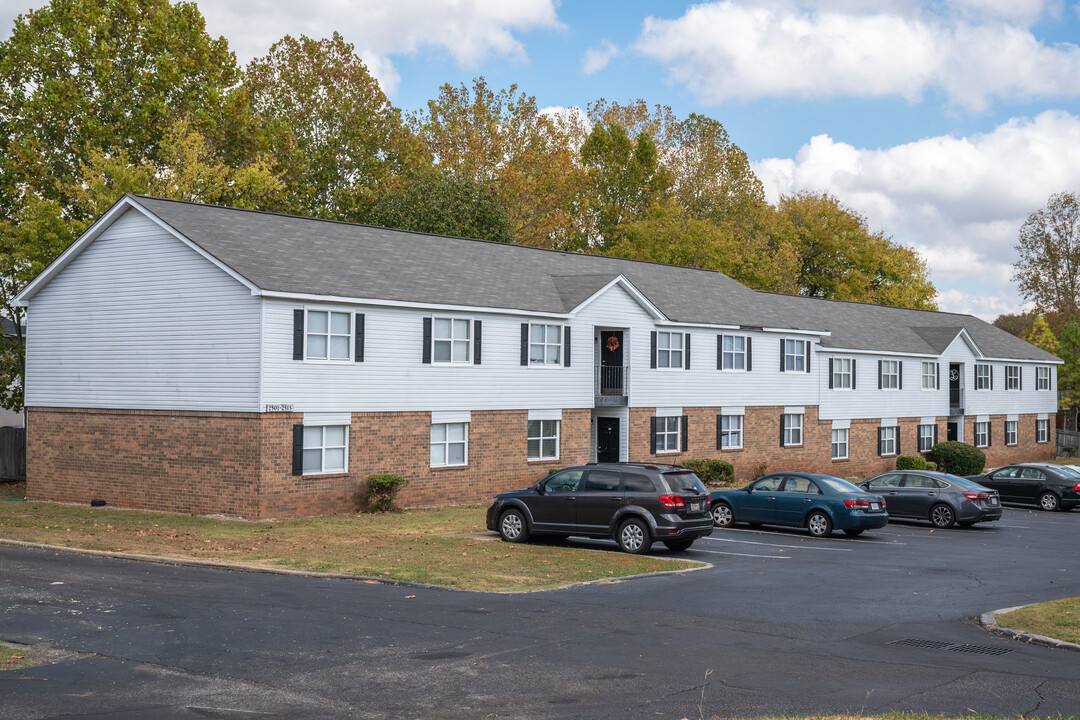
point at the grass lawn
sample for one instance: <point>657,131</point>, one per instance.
<point>1059,619</point>
<point>416,546</point>
<point>12,659</point>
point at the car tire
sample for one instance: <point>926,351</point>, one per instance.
<point>819,524</point>
<point>633,537</point>
<point>1049,501</point>
<point>854,532</point>
<point>722,516</point>
<point>678,545</point>
<point>512,526</point>
<point>942,516</point>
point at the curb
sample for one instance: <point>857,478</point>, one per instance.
<point>989,622</point>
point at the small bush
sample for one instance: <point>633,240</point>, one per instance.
<point>712,472</point>
<point>931,465</point>
<point>1068,451</point>
<point>381,492</point>
<point>760,470</point>
<point>910,462</point>
<point>958,458</point>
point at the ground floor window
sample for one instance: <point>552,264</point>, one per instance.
<point>791,429</point>
<point>730,432</point>
<point>1010,432</point>
<point>927,433</point>
<point>840,444</point>
<point>888,440</point>
<point>325,448</point>
<point>543,439</point>
<point>449,444</point>
<point>982,434</point>
<point>668,430</point>
<point>1042,431</point>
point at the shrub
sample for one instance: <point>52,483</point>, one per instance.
<point>931,465</point>
<point>381,492</point>
<point>910,462</point>
<point>760,470</point>
<point>958,458</point>
<point>712,472</point>
<point>1068,451</point>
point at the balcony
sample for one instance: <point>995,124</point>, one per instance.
<point>956,401</point>
<point>611,384</point>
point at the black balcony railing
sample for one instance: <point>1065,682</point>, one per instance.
<point>612,380</point>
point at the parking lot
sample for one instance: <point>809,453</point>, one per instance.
<point>781,623</point>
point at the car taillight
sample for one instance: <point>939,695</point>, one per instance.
<point>856,504</point>
<point>977,496</point>
<point>1077,488</point>
<point>672,501</point>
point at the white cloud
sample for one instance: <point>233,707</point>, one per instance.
<point>980,51</point>
<point>959,201</point>
<point>596,59</point>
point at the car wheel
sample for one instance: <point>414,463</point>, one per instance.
<point>942,516</point>
<point>678,545</point>
<point>633,537</point>
<point>512,527</point>
<point>853,532</point>
<point>819,524</point>
<point>722,515</point>
<point>1049,501</point>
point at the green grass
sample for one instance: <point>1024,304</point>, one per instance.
<point>14,659</point>
<point>416,546</point>
<point>1059,619</point>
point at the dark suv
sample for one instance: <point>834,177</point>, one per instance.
<point>634,504</point>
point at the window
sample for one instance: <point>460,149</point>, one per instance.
<point>888,440</point>
<point>1012,377</point>
<point>889,374</point>
<point>564,482</point>
<point>730,432</point>
<point>929,376</point>
<point>982,434</point>
<point>545,344</point>
<point>842,370</point>
<point>795,356</point>
<point>449,444</point>
<point>667,434</point>
<point>325,448</point>
<point>669,350</point>
<point>927,435</point>
<point>1042,431</point>
<point>543,439</point>
<point>733,352</point>
<point>329,335</point>
<point>451,340</point>
<point>1042,378</point>
<point>1010,432</point>
<point>983,378</point>
<point>839,443</point>
<point>791,429</point>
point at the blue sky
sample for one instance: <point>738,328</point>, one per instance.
<point>944,123</point>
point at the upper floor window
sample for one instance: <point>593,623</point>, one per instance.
<point>734,352</point>
<point>843,374</point>
<point>1012,377</point>
<point>545,344</point>
<point>984,378</point>
<point>328,335</point>
<point>451,340</point>
<point>794,356</point>
<point>889,374</point>
<point>930,376</point>
<point>670,347</point>
<point>791,426</point>
<point>1042,378</point>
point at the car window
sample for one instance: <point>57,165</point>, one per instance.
<point>637,482</point>
<point>917,481</point>
<point>796,484</point>
<point>1004,473</point>
<point>768,484</point>
<point>684,480</point>
<point>886,481</point>
<point>602,481</point>
<point>1068,470</point>
<point>837,484</point>
<point>1031,474</point>
<point>566,481</point>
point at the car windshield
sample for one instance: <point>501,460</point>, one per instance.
<point>838,485</point>
<point>684,481</point>
<point>1067,469</point>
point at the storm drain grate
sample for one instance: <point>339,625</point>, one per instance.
<point>951,647</point>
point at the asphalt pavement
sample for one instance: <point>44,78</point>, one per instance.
<point>782,624</point>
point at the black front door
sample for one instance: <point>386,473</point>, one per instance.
<point>951,432</point>
<point>607,439</point>
<point>954,386</point>
<point>611,362</point>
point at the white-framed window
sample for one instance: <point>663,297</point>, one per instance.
<point>543,439</point>
<point>545,344</point>
<point>326,449</point>
<point>731,432</point>
<point>983,380</point>
<point>1042,431</point>
<point>1012,377</point>
<point>839,443</point>
<point>791,427</point>
<point>669,349</point>
<point>451,340</point>
<point>1010,432</point>
<point>794,355</point>
<point>929,376</point>
<point>668,433</point>
<point>328,335</point>
<point>926,437</point>
<point>449,444</point>
<point>888,438</point>
<point>890,374</point>
<point>733,349</point>
<point>1042,378</point>
<point>982,434</point>
<point>842,369</point>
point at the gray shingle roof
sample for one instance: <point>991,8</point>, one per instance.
<point>320,257</point>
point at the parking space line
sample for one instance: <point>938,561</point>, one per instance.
<point>797,547</point>
<point>722,552</point>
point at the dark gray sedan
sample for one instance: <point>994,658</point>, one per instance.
<point>940,498</point>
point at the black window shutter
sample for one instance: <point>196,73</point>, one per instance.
<point>652,433</point>
<point>298,334</point>
<point>566,347</point>
<point>782,355</point>
<point>852,373</point>
<point>298,449</point>
<point>937,380</point>
<point>900,375</point>
<point>427,341</point>
<point>1020,376</point>
<point>358,337</point>
<point>830,373</point>
<point>897,439</point>
<point>719,352</point>
<point>935,434</point>
<point>879,378</point>
<point>685,433</point>
<point>524,344</point>
<point>652,361</point>
<point>989,434</point>
<point>686,350</point>
<point>477,335</point>
<point>880,441</point>
<point>806,351</point>
<point>749,355</point>
<point>719,430</point>
<point>783,420</point>
<point>991,369</point>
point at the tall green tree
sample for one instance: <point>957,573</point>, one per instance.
<point>1048,269</point>
<point>1068,375</point>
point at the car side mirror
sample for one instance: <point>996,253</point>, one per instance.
<point>749,489</point>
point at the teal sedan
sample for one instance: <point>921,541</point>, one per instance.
<point>820,503</point>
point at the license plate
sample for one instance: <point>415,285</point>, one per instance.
<point>993,501</point>
<point>696,505</point>
<point>875,506</point>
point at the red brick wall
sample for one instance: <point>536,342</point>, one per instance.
<point>1025,450</point>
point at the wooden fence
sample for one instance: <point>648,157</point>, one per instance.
<point>1068,438</point>
<point>12,453</point>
